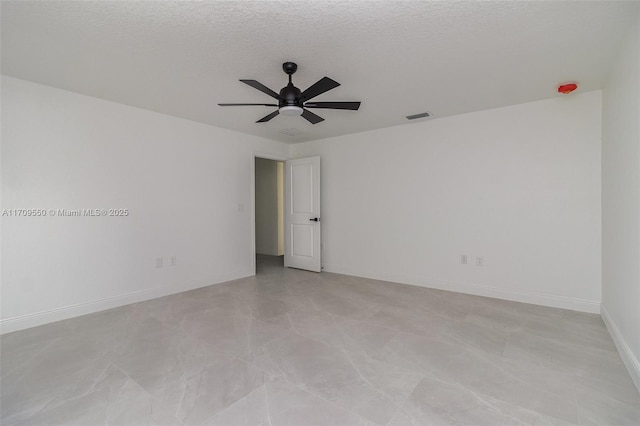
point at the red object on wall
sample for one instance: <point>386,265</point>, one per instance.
<point>565,89</point>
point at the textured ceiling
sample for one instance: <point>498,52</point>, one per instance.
<point>398,58</point>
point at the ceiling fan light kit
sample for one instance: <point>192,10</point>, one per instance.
<point>290,110</point>
<point>293,102</point>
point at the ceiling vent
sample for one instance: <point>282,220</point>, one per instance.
<point>290,132</point>
<point>421,115</point>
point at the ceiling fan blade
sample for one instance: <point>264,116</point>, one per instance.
<point>319,87</point>
<point>334,105</point>
<point>271,105</point>
<point>311,117</point>
<point>261,87</point>
<point>268,117</point>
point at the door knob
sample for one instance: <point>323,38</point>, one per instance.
<point>315,219</point>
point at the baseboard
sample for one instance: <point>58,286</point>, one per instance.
<point>8,325</point>
<point>535,298</point>
<point>628,357</point>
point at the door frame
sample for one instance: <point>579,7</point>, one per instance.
<point>266,156</point>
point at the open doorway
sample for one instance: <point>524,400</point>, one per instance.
<point>269,214</point>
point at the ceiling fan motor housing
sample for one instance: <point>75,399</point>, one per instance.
<point>290,96</point>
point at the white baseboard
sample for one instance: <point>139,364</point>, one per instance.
<point>628,357</point>
<point>535,298</point>
<point>21,322</point>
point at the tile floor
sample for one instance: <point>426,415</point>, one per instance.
<point>289,347</point>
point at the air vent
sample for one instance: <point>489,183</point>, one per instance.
<point>290,132</point>
<point>421,115</point>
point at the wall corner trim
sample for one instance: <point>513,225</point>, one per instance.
<point>628,357</point>
<point>535,298</point>
<point>21,322</point>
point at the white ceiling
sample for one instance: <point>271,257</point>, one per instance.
<point>398,58</point>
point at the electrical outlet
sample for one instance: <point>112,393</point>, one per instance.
<point>173,261</point>
<point>479,261</point>
<point>158,262</point>
<point>463,259</point>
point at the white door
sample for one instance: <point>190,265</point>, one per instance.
<point>302,214</point>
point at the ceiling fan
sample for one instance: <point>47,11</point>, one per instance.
<point>292,101</point>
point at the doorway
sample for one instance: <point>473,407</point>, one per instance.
<point>269,214</point>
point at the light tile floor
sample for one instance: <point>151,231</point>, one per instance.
<point>289,347</point>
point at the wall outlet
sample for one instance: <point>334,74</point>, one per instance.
<point>173,261</point>
<point>479,261</point>
<point>463,259</point>
<point>158,262</point>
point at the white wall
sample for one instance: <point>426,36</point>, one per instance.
<point>518,186</point>
<point>621,202</point>
<point>267,223</point>
<point>187,186</point>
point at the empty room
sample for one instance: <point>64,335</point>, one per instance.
<point>263,213</point>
